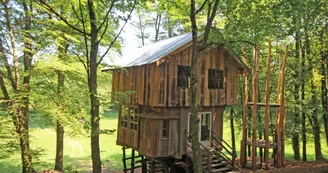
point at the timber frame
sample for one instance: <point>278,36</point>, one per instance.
<point>278,144</point>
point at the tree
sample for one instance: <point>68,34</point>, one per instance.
<point>94,28</point>
<point>18,100</point>
<point>197,47</point>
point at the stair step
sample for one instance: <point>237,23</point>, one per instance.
<point>221,169</point>
<point>219,164</point>
<point>213,161</point>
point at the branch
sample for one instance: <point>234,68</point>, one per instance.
<point>106,17</point>
<point>84,35</point>
<point>201,8</point>
<point>210,20</point>
<point>13,46</point>
<point>117,35</point>
<point>10,76</point>
<point>48,7</point>
<point>74,10</point>
<point>3,87</point>
<point>85,66</point>
<point>102,35</point>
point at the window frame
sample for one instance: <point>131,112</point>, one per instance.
<point>134,121</point>
<point>166,129</point>
<point>124,119</point>
<point>184,76</point>
<point>215,79</point>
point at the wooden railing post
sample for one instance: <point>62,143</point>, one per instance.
<point>209,161</point>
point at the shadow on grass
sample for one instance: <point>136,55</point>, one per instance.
<point>7,166</point>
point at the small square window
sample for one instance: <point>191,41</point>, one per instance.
<point>183,76</point>
<point>215,79</point>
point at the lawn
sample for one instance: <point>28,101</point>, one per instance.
<point>77,149</point>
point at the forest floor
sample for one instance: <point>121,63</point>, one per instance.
<point>293,166</point>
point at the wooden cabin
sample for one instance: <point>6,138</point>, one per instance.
<point>154,96</point>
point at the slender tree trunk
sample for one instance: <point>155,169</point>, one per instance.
<point>59,163</point>
<point>92,82</point>
<point>314,102</point>
<point>324,93</point>
<point>169,27</point>
<point>295,135</point>
<point>142,31</point>
<point>304,157</point>
<point>194,119</point>
<point>157,24</point>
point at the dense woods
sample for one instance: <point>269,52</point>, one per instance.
<point>51,53</point>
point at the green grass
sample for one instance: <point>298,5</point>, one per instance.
<point>77,150</point>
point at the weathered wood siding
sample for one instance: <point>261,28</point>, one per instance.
<point>156,84</point>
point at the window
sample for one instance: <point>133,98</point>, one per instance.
<point>134,111</point>
<point>165,131</point>
<point>183,76</point>
<point>124,116</point>
<point>215,79</point>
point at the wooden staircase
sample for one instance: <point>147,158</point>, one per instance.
<point>218,158</point>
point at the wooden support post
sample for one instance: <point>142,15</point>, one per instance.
<point>254,108</point>
<point>283,107</point>
<point>243,158</point>
<point>124,160</point>
<point>267,110</point>
<point>280,156</point>
<point>165,165</point>
<point>278,117</point>
<point>132,161</point>
<point>153,166</point>
<point>143,165</point>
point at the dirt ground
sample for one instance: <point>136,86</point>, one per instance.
<point>291,167</point>
<point>296,167</point>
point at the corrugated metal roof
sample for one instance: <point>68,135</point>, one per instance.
<point>154,52</point>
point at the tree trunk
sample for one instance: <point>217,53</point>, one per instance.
<point>92,83</point>
<point>157,24</point>
<point>304,157</point>
<point>316,125</point>
<point>295,135</point>
<point>27,54</point>
<point>324,92</point>
<point>59,128</point>
<point>194,119</point>
<point>59,147</point>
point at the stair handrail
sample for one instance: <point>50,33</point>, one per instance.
<point>226,147</point>
<point>208,154</point>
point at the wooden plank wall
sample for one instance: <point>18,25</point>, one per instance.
<point>167,146</point>
<point>156,84</point>
<point>232,86</point>
<point>149,138</point>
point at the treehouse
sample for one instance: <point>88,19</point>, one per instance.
<point>153,92</point>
